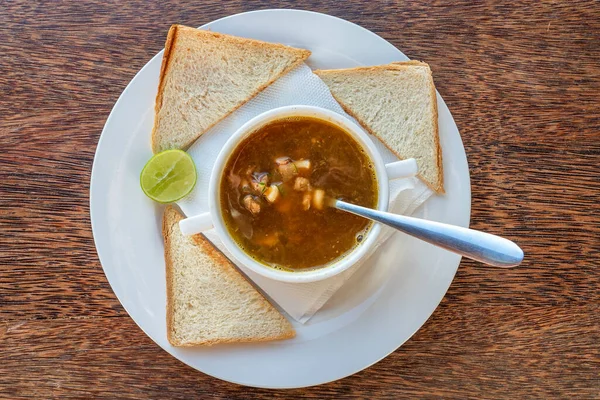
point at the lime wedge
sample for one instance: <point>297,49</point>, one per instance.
<point>168,176</point>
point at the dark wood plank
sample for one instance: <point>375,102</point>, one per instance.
<point>491,358</point>
<point>522,82</point>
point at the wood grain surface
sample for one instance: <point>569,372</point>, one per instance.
<point>522,80</point>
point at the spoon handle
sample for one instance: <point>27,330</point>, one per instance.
<point>484,247</point>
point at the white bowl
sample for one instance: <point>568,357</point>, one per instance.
<point>384,173</point>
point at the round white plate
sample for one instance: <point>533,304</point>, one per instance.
<point>370,317</point>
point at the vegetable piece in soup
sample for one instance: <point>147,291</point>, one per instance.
<point>274,190</point>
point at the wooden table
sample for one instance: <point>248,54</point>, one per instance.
<point>522,81</point>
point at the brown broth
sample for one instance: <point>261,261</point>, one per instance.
<point>283,234</point>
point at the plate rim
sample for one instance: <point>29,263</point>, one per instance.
<point>95,228</point>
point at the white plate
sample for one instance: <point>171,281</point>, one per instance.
<point>370,317</point>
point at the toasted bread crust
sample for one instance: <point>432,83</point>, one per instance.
<point>166,231</point>
<point>171,220</point>
<point>439,186</point>
<point>170,44</point>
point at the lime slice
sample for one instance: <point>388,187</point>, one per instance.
<point>168,176</point>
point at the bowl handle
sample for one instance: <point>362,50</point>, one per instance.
<point>196,224</point>
<point>401,169</point>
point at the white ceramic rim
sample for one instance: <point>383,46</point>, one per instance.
<point>325,349</point>
<point>249,128</point>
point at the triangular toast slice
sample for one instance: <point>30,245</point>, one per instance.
<point>206,75</point>
<point>396,103</point>
<point>208,300</point>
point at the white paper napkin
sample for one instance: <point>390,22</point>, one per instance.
<point>299,87</point>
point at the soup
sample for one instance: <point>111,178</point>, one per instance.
<point>275,186</point>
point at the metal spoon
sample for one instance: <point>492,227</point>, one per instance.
<point>484,247</point>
